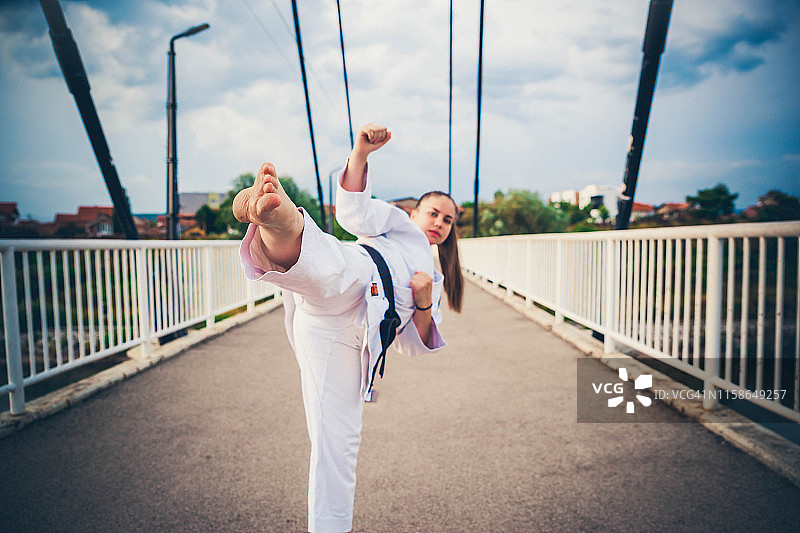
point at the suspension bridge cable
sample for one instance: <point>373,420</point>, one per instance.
<point>308,111</point>
<point>478,143</point>
<point>283,19</point>
<point>344,68</point>
<point>329,102</point>
<point>450,118</point>
<point>266,31</point>
<point>310,70</point>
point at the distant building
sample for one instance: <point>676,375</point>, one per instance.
<point>751,212</point>
<point>11,226</point>
<point>669,210</point>
<point>151,217</point>
<point>190,202</point>
<point>640,210</point>
<point>195,232</point>
<point>186,222</point>
<point>147,229</point>
<point>570,195</point>
<point>94,221</point>
<point>31,225</point>
<point>9,214</point>
<point>406,204</point>
<point>598,195</point>
<point>593,194</point>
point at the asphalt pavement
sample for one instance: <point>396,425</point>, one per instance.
<point>480,437</point>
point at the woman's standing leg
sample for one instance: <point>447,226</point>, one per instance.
<point>328,351</point>
<point>328,284</point>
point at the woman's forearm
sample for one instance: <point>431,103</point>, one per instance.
<point>423,321</point>
<point>370,138</point>
<point>353,179</point>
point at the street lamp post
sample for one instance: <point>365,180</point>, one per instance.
<point>172,139</point>
<point>333,172</point>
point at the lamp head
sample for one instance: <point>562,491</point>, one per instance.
<point>195,29</point>
<point>187,33</point>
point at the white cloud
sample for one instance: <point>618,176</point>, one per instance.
<point>560,81</point>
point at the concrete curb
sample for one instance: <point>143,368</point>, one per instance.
<point>769,448</point>
<point>64,397</point>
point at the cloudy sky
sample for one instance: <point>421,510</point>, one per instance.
<point>560,81</point>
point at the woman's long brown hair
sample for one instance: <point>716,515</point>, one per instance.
<point>448,258</point>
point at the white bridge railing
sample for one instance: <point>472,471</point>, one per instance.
<point>67,303</point>
<point>717,302</point>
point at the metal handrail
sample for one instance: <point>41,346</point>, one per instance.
<point>67,303</point>
<point>749,229</point>
<point>713,301</point>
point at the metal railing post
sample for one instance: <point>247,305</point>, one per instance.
<point>16,396</point>
<point>713,317</point>
<point>609,303</point>
<point>207,286</point>
<point>508,281</point>
<point>143,301</point>
<point>559,282</point>
<point>528,273</point>
<point>495,271</point>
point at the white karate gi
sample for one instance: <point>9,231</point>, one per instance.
<point>332,320</point>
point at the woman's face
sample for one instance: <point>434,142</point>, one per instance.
<point>435,216</point>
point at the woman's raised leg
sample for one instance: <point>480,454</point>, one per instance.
<point>280,224</point>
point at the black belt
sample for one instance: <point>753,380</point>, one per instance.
<point>391,320</point>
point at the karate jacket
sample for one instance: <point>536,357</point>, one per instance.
<point>322,277</point>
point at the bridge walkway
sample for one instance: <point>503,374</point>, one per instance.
<point>481,437</point>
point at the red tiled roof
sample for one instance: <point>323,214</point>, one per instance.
<point>8,208</point>
<point>181,216</point>
<point>86,214</point>
<point>65,218</point>
<point>751,212</point>
<point>90,213</point>
<point>637,206</point>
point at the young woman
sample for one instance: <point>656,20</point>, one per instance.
<point>334,303</point>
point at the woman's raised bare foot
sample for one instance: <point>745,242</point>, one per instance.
<point>280,224</point>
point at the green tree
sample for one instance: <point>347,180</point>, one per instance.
<point>206,217</point>
<point>464,222</point>
<point>18,232</point>
<point>776,205</point>
<point>70,230</point>
<point>225,222</point>
<point>518,212</point>
<point>603,213</point>
<point>711,204</point>
<point>524,212</point>
<point>571,213</point>
<point>301,198</point>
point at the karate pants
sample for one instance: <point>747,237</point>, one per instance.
<point>328,284</point>
<point>329,355</point>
